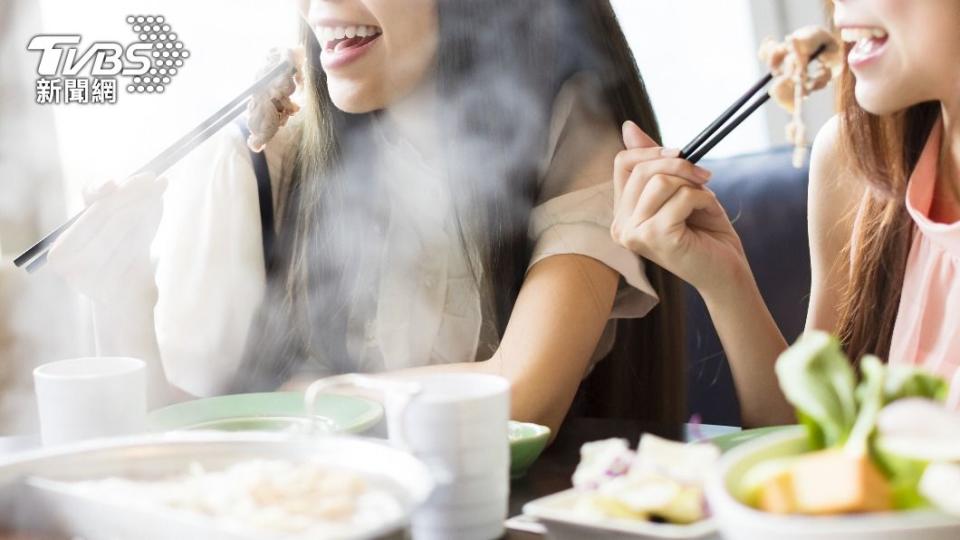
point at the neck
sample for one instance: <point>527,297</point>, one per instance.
<point>414,119</point>
<point>950,147</point>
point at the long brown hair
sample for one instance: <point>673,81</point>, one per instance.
<point>883,150</point>
<point>316,280</point>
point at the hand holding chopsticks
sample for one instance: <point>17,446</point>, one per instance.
<point>36,256</point>
<point>664,210</point>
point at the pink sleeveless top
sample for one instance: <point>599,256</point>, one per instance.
<point>927,330</point>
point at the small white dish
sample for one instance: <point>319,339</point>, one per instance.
<point>555,512</point>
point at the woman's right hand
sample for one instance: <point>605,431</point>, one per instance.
<point>105,255</point>
<point>665,213</point>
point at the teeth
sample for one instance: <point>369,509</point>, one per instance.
<point>329,35</point>
<point>852,35</point>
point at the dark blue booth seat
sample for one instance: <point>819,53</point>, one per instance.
<point>766,198</point>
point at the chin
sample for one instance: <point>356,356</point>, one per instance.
<point>354,98</point>
<point>877,101</point>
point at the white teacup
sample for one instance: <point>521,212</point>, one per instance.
<point>86,398</point>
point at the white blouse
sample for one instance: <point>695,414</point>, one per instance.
<point>209,260</point>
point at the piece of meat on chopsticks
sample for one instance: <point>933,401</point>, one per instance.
<point>271,108</point>
<point>796,77</point>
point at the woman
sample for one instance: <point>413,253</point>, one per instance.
<point>884,210</point>
<point>443,204</point>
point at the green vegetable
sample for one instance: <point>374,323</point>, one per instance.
<point>817,379</point>
<point>870,396</point>
<point>909,381</point>
<point>904,475</point>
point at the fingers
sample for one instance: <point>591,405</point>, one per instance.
<point>683,205</point>
<point>634,137</point>
<point>626,161</point>
<point>652,161</point>
<point>643,172</point>
<point>660,189</point>
<point>660,233</point>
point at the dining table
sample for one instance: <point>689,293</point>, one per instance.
<point>551,473</point>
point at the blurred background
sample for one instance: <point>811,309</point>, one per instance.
<point>696,57</point>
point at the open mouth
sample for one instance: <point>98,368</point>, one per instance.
<point>868,43</point>
<point>342,38</point>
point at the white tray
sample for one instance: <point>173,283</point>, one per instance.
<point>555,512</point>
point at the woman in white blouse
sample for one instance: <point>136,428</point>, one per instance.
<point>442,202</point>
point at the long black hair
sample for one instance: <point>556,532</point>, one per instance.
<point>500,65</point>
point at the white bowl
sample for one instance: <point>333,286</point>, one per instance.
<point>52,502</point>
<point>738,521</point>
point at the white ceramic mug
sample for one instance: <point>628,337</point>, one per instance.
<point>86,398</point>
<point>437,412</point>
<point>458,425</point>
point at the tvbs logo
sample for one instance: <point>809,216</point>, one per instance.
<point>72,73</point>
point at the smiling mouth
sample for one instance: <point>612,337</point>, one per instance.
<point>341,38</point>
<point>867,43</point>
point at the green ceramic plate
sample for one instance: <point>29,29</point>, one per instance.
<point>277,411</point>
<point>272,411</point>
<point>732,440</point>
<point>527,442</point>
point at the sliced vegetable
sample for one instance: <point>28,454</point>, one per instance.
<point>939,485</point>
<point>870,399</point>
<point>817,379</point>
<point>839,482</point>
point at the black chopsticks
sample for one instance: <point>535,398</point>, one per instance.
<point>702,143</point>
<point>36,256</point>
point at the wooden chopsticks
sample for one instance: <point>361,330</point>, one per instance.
<point>36,256</point>
<point>703,143</point>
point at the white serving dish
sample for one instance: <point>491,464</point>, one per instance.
<point>555,512</point>
<point>35,493</point>
<point>737,521</point>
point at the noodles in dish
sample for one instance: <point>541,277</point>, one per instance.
<point>305,500</point>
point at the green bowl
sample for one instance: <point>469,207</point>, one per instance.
<point>527,442</point>
<point>269,411</point>
<point>278,411</point>
<point>733,440</point>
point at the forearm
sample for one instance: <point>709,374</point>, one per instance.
<point>553,331</point>
<point>752,342</point>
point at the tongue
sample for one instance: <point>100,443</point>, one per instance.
<point>347,43</point>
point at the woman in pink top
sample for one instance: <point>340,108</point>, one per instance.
<point>884,210</point>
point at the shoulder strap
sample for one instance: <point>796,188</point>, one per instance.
<point>265,195</point>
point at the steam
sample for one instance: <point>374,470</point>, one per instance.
<point>38,314</point>
<point>444,152</point>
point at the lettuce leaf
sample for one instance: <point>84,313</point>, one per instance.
<point>817,379</point>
